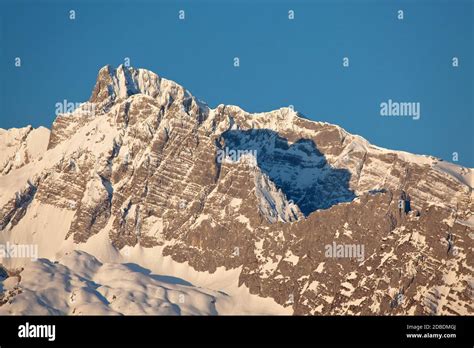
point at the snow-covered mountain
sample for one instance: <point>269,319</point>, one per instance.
<point>20,146</point>
<point>154,187</point>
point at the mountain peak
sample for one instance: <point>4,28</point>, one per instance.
<point>122,82</point>
<point>114,84</point>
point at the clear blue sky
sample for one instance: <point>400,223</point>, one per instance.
<point>283,62</point>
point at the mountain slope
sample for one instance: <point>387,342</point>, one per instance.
<point>20,146</point>
<point>147,165</point>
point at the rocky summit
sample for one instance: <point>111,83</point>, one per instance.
<point>303,213</point>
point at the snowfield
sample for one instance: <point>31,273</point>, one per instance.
<point>79,284</point>
<point>132,281</point>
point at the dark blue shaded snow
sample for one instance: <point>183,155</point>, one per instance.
<point>299,169</point>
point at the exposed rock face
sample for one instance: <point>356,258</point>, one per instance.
<point>269,192</point>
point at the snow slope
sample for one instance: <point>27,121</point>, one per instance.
<point>19,146</point>
<point>78,283</point>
